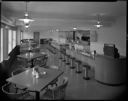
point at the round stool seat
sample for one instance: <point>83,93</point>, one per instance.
<point>73,58</point>
<point>78,66</point>
<point>78,61</point>
<point>87,67</point>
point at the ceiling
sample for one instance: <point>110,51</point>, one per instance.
<point>62,15</point>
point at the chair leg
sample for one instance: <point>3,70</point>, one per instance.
<point>72,65</point>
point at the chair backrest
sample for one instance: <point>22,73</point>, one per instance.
<point>17,71</point>
<point>64,84</point>
<point>54,67</point>
<point>59,91</point>
<point>44,60</point>
<point>41,61</point>
<point>65,79</point>
<point>11,94</point>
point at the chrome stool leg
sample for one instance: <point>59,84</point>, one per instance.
<point>78,66</point>
<point>87,67</point>
<point>64,57</point>
<point>72,63</point>
<point>67,59</point>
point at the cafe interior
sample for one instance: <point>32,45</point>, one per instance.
<point>63,50</point>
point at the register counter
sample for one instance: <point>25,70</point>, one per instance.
<point>108,70</point>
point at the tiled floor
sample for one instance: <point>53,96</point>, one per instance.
<point>80,89</point>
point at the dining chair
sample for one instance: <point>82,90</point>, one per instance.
<point>11,95</point>
<point>23,62</point>
<point>54,67</point>
<point>44,61</point>
<point>54,82</point>
<point>57,93</point>
<point>15,72</point>
<point>41,61</point>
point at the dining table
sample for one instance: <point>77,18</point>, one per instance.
<point>30,56</point>
<point>33,83</point>
<point>29,49</point>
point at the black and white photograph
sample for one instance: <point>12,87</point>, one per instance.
<point>63,50</point>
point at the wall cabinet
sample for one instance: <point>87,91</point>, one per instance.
<point>83,36</point>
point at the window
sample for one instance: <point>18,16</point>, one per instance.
<point>21,35</point>
<point>9,40</point>
<point>14,39</point>
<point>1,45</point>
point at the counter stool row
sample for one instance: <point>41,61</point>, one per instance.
<point>73,63</point>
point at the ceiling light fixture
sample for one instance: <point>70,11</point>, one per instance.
<point>74,28</point>
<point>26,18</point>
<point>27,25</point>
<point>98,25</point>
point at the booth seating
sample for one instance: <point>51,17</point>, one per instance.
<point>78,66</point>
<point>86,67</point>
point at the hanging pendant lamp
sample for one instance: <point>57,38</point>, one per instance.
<point>98,25</point>
<point>26,25</point>
<point>26,18</point>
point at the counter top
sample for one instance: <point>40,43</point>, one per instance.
<point>109,57</point>
<point>81,53</point>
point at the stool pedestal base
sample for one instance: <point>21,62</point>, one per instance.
<point>78,71</point>
<point>72,67</point>
<point>67,63</point>
<point>86,78</point>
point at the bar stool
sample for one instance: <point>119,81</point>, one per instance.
<point>60,58</point>
<point>87,67</point>
<point>72,60</point>
<point>64,57</point>
<point>78,63</point>
<point>60,55</point>
<point>67,59</point>
<point>55,57</point>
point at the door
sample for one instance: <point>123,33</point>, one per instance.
<point>37,37</point>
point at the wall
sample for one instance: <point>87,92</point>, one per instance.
<point>49,34</point>
<point>27,35</point>
<point>18,36</point>
<point>55,35</point>
<point>115,34</point>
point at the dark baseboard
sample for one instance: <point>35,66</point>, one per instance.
<point>110,84</point>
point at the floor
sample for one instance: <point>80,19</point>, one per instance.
<point>78,88</point>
